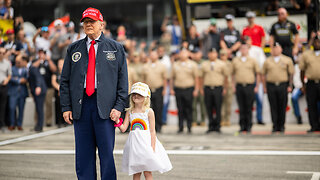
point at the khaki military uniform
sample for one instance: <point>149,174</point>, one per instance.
<point>199,100</point>
<point>213,74</point>
<point>227,98</point>
<point>184,74</point>
<point>154,74</point>
<point>244,70</point>
<point>309,62</point>
<point>277,74</point>
<point>138,67</point>
<point>132,77</point>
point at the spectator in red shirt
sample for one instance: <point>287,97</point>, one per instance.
<point>254,31</point>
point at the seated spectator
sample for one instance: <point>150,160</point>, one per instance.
<point>18,91</point>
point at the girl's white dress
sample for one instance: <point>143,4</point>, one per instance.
<point>138,155</point>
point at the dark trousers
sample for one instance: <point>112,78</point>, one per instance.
<point>39,101</point>
<point>278,99</point>
<point>313,97</point>
<point>14,101</point>
<point>245,98</point>
<point>59,116</point>
<point>213,100</point>
<point>157,105</point>
<point>3,103</point>
<point>184,98</point>
<point>92,132</point>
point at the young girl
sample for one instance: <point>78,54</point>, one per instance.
<point>142,152</point>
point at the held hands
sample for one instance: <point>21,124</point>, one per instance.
<point>115,115</point>
<point>289,89</point>
<point>67,116</point>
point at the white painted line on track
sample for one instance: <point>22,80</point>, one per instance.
<point>34,136</point>
<point>179,152</point>
<point>315,175</point>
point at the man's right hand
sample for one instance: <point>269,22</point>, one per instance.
<point>67,116</point>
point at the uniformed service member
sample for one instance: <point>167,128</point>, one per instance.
<point>93,92</point>
<point>213,77</point>
<point>277,77</point>
<point>227,97</point>
<point>184,85</point>
<point>309,63</point>
<point>198,100</point>
<point>246,74</point>
<point>132,76</point>
<point>155,75</point>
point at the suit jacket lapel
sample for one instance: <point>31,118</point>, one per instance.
<point>101,46</point>
<point>84,54</point>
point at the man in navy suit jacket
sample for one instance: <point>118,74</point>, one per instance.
<point>93,92</point>
<point>18,91</point>
<point>38,89</point>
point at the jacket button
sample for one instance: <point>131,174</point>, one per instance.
<point>80,101</point>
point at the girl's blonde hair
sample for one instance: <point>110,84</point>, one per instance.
<point>146,104</point>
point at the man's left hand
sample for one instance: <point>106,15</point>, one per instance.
<point>115,114</point>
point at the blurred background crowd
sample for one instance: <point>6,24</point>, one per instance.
<point>168,46</point>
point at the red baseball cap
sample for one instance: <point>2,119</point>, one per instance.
<point>92,13</point>
<point>10,31</point>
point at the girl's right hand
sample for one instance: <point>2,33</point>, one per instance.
<point>117,121</point>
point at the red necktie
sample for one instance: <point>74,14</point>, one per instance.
<point>91,70</point>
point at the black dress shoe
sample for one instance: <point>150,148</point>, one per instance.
<point>38,130</point>
<point>299,120</point>
<point>208,131</point>
<point>189,131</point>
<point>310,131</point>
<point>180,131</point>
<point>217,131</point>
<point>261,123</point>
<point>274,131</point>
